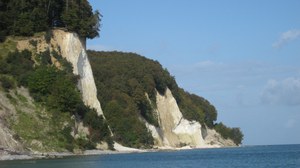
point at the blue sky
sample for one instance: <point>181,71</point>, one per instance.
<point>243,56</point>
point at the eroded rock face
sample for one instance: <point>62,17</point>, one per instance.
<point>213,139</point>
<point>176,130</point>
<point>7,141</point>
<point>72,48</point>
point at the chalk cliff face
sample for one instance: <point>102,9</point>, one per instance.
<point>72,48</point>
<point>176,131</point>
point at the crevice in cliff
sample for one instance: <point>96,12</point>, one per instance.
<point>179,122</point>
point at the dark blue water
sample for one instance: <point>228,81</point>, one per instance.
<point>281,156</point>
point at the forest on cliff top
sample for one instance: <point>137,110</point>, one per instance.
<point>24,18</point>
<point>122,79</point>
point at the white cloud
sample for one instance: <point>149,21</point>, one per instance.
<point>287,37</point>
<point>285,92</point>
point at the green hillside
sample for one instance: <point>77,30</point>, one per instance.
<point>122,79</point>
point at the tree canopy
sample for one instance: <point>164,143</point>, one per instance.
<point>26,17</point>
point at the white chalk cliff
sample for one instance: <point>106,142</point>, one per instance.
<point>176,131</point>
<point>73,49</point>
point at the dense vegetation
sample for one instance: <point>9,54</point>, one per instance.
<point>122,80</point>
<point>24,17</point>
<point>55,89</point>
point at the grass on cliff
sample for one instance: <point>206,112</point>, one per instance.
<point>39,131</point>
<point>47,126</point>
<point>10,43</point>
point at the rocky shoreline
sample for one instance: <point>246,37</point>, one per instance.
<point>6,154</point>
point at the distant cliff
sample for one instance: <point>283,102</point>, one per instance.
<point>136,90</point>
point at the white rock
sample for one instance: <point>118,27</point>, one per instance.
<point>177,131</point>
<point>121,148</point>
<point>73,49</point>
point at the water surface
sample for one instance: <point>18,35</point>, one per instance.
<point>287,156</point>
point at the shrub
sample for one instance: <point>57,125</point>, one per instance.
<point>68,138</point>
<point>85,144</point>
<point>45,57</point>
<point>7,83</point>
<point>33,43</point>
<point>232,133</point>
<point>98,127</point>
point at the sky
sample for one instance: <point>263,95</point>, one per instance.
<point>242,56</point>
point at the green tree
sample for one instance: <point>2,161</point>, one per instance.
<point>98,128</point>
<point>79,17</point>
<point>4,19</point>
<point>24,18</point>
<point>40,82</point>
<point>7,82</point>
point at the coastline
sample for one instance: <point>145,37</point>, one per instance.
<point>8,155</point>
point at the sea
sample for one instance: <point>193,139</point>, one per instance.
<point>270,156</point>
